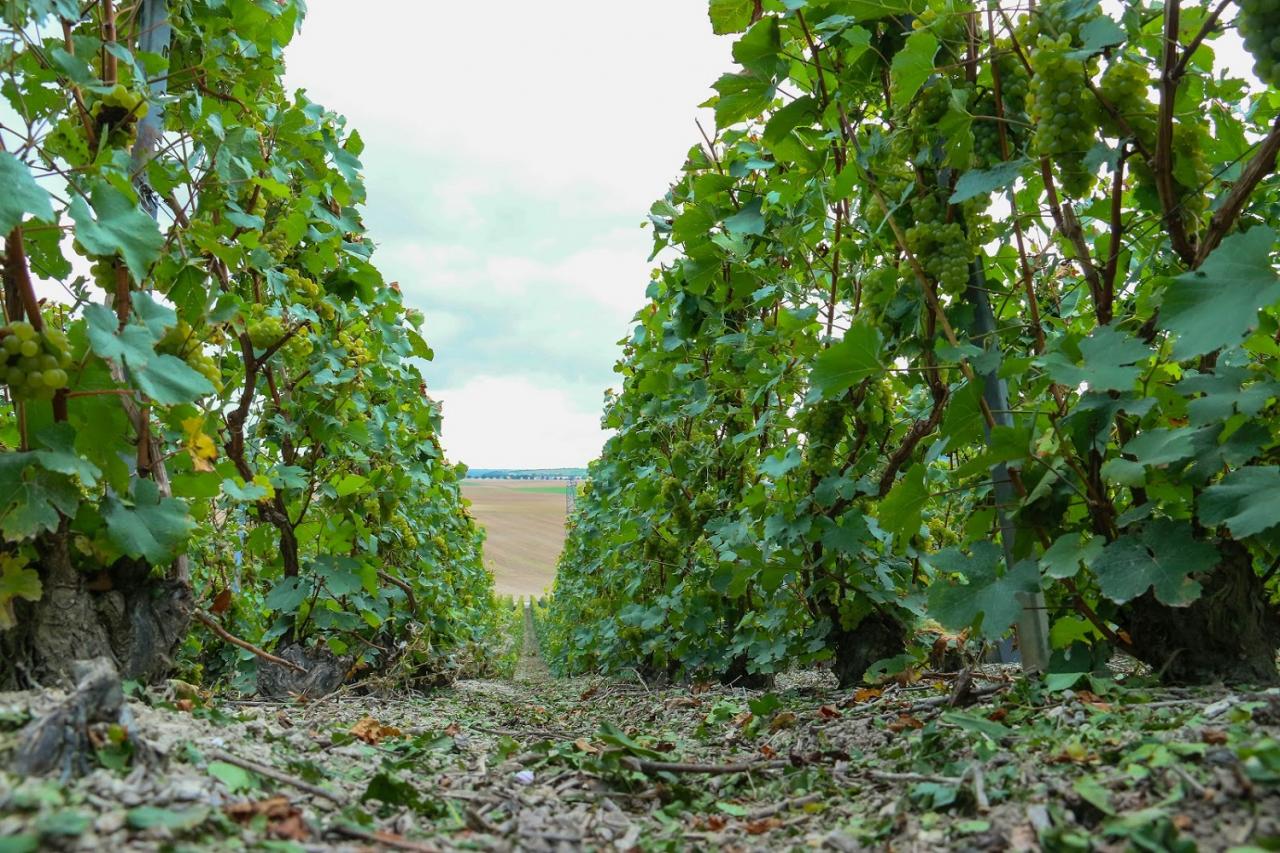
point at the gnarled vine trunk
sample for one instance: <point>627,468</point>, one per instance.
<point>1230,634</point>
<point>878,636</point>
<point>126,614</point>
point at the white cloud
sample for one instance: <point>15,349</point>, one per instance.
<point>504,422</point>
<point>510,154</point>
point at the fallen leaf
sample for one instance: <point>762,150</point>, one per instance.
<point>829,712</point>
<point>866,694</point>
<point>768,751</point>
<point>586,746</point>
<point>453,730</point>
<point>185,705</point>
<point>589,692</point>
<point>998,714</point>
<point>372,732</point>
<point>1216,737</point>
<point>761,826</point>
<point>743,718</point>
<point>904,722</point>
<point>782,720</point>
<point>1182,822</point>
<point>284,821</point>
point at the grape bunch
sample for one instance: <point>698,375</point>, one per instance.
<point>1125,85</point>
<point>265,331</point>
<point>1259,23</point>
<point>1064,120</point>
<point>116,116</point>
<point>35,362</point>
<point>1014,85</point>
<point>941,247</point>
<point>1057,19</point>
<point>179,341</point>
<point>357,354</point>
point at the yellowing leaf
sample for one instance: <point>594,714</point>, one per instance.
<point>201,447</point>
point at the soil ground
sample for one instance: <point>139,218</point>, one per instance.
<point>547,764</point>
<point>524,524</point>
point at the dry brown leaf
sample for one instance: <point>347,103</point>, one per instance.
<point>743,718</point>
<point>221,602</point>
<point>761,826</point>
<point>589,692</point>
<point>782,720</point>
<point>1182,822</point>
<point>585,745</point>
<point>866,694</point>
<point>904,722</point>
<point>829,712</point>
<point>284,821</point>
<point>768,751</point>
<point>453,730</point>
<point>185,705</point>
<point>1215,737</point>
<point>372,732</point>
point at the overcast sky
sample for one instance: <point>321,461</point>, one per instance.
<point>511,153</point>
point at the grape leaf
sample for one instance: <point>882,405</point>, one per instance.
<point>1162,556</point>
<point>730,16</point>
<point>1108,358</point>
<point>741,97</point>
<point>912,65</point>
<point>21,196</point>
<point>59,453</point>
<point>31,497</point>
<point>976,182</point>
<point>902,509</point>
<point>152,528</point>
<point>749,220</point>
<point>1217,305</point>
<point>1247,501</point>
<point>115,225</point>
<point>844,364</point>
<point>16,581</point>
<point>758,49</point>
<point>1063,558</point>
<point>986,593</point>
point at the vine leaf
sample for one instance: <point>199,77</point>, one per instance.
<point>21,196</point>
<point>31,498</point>
<point>164,378</point>
<point>1064,557</point>
<point>730,16</point>
<point>119,227</point>
<point>987,593</point>
<point>1109,359</point>
<point>152,528</point>
<point>902,509</point>
<point>741,96</point>
<point>1217,305</point>
<point>1162,557</point>
<point>749,220</point>
<point>59,454</point>
<point>976,182</point>
<point>16,581</point>
<point>1247,501</point>
<point>758,49</point>
<point>842,365</point>
<point>912,65</point>
<point>800,111</point>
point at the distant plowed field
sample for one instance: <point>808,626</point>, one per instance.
<point>524,523</point>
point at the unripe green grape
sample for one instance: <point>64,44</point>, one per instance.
<point>30,349</point>
<point>12,344</point>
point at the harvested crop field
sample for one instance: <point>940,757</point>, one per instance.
<point>524,523</point>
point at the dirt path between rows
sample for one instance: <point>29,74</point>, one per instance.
<point>561,764</point>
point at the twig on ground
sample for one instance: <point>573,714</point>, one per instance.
<point>784,806</point>
<point>277,775</point>
<point>644,765</point>
<point>884,776</point>
<point>386,839</point>
<point>979,787</point>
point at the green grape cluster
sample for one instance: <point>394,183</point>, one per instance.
<point>116,116</point>
<point>1014,86</point>
<point>945,22</point>
<point>1057,19</point>
<point>35,362</point>
<point>1125,85</point>
<point>103,270</point>
<point>941,247</point>
<point>357,353</point>
<point>265,331</point>
<point>180,341</point>
<point>932,105</point>
<point>1259,24</point>
<point>1064,119</point>
<point>299,346</point>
